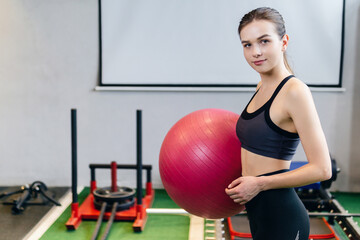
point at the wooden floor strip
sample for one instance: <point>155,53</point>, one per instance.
<point>196,230</point>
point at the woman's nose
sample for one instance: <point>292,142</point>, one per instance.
<point>256,51</point>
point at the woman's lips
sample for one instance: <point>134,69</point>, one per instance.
<point>259,62</point>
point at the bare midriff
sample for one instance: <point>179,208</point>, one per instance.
<point>255,165</point>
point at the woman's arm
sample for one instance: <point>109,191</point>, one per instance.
<point>301,108</point>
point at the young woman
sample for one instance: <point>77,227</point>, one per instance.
<point>278,116</point>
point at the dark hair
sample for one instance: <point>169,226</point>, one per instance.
<point>268,14</point>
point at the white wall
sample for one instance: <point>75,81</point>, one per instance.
<point>49,64</point>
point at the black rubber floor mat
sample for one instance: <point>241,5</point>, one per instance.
<point>14,227</point>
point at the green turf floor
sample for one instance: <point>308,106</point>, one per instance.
<point>158,227</point>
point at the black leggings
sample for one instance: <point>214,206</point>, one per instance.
<point>278,214</point>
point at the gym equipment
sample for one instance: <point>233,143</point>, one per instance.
<point>199,157</point>
<point>120,200</point>
<point>239,227</point>
<point>35,194</point>
<point>124,197</point>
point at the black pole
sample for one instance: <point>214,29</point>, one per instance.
<point>92,174</point>
<point>148,175</point>
<point>74,156</point>
<point>138,157</point>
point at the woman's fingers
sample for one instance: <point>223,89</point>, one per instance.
<point>235,183</point>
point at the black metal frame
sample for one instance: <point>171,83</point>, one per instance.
<point>225,86</point>
<point>138,167</point>
<point>321,200</point>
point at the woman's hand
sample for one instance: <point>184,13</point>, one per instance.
<point>243,189</point>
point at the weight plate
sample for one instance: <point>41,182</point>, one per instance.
<point>105,194</point>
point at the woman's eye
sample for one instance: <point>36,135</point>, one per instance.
<point>264,41</point>
<point>247,45</point>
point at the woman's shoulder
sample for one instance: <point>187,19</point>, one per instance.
<point>297,89</point>
<point>298,97</point>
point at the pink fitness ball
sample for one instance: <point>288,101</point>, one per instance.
<point>199,157</point>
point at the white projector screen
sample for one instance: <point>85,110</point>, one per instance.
<point>195,43</point>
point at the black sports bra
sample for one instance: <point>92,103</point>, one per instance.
<point>258,133</point>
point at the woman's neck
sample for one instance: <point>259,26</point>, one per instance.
<point>273,78</point>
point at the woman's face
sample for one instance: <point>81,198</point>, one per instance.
<point>263,48</point>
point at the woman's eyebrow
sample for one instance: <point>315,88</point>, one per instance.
<point>262,36</point>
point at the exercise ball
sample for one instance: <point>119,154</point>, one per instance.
<point>199,157</point>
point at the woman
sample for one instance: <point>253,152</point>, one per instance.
<point>278,116</point>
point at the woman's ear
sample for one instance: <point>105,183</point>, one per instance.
<point>285,42</point>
